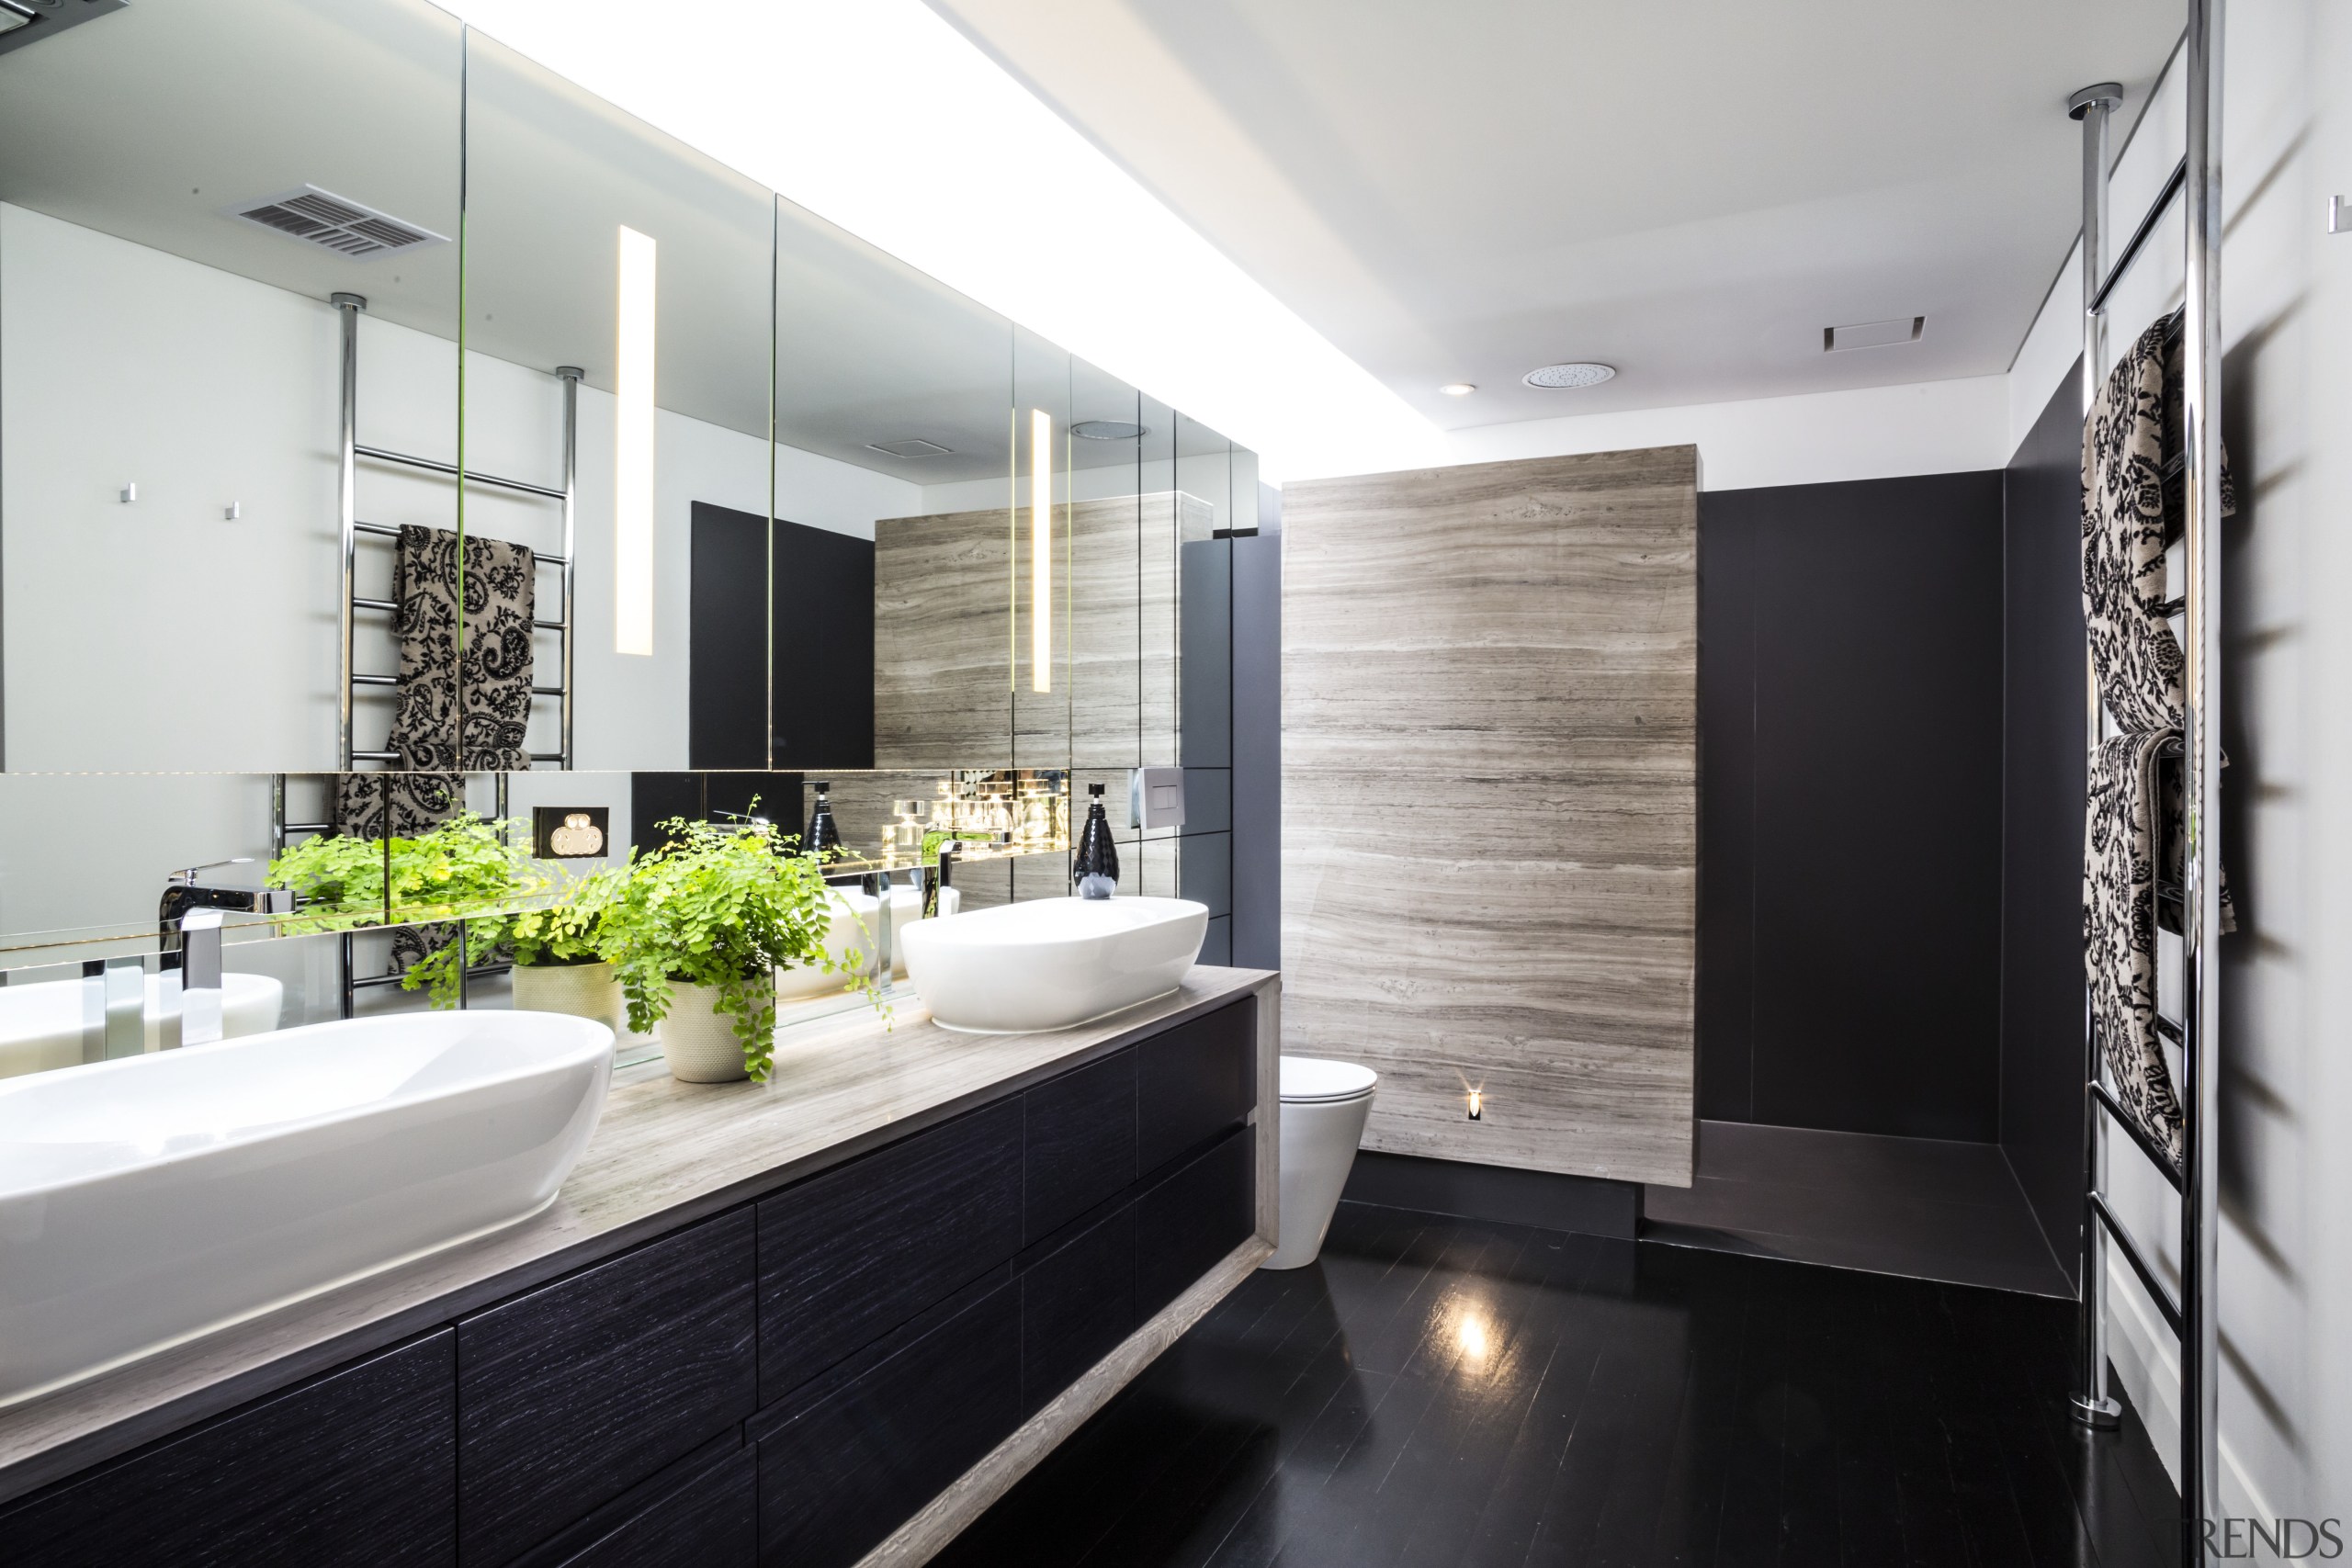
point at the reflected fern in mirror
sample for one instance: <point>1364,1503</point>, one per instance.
<point>456,872</point>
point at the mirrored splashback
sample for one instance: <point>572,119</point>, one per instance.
<point>391,431</point>
<point>371,396</point>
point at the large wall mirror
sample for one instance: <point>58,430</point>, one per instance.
<point>389,429</point>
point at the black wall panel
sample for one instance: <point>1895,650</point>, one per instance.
<point>2041,805</point>
<point>1871,765</point>
<point>726,659</point>
<point>1727,988</point>
<point>823,648</point>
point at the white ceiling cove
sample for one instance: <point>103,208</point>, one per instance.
<point>1691,191</point>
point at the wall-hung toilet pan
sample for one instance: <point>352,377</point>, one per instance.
<point>1324,1106</point>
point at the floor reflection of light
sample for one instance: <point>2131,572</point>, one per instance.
<point>1470,1332</point>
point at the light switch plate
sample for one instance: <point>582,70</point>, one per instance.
<point>1156,797</point>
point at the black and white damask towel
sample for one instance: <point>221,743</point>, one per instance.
<point>462,704</point>
<point>463,707</point>
<point>2119,931</point>
<point>2140,669</point>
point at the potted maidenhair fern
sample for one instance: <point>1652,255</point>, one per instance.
<point>696,932</point>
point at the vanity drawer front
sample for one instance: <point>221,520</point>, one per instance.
<point>851,1255</point>
<point>711,1521</point>
<point>1077,1304</point>
<point>575,1393</point>
<point>1185,1223</point>
<point>357,1468</point>
<point>1079,1144</point>
<point>845,1473</point>
<point>1197,1080</point>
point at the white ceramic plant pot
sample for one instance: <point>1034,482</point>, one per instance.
<point>577,990</point>
<point>698,1040</point>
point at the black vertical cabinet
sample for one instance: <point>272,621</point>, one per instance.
<point>848,1256</point>
<point>576,1392</point>
<point>787,1382</point>
<point>842,1473</point>
<point>357,1468</point>
<point>1079,1146</point>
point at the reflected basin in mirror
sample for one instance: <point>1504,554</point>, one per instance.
<point>851,937</point>
<point>41,1025</point>
<point>146,1201</point>
<point>1051,963</point>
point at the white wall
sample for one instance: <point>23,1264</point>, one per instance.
<point>2286,1253</point>
<point>160,639</point>
<point>1931,428</point>
<point>161,636</point>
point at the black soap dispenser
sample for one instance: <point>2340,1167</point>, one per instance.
<point>1097,866</point>
<point>824,839</point>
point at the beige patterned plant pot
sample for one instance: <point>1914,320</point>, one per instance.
<point>699,1041</point>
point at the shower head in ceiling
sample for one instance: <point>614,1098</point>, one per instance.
<point>1575,373</point>
<point>1109,430</point>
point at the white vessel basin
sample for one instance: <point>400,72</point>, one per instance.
<point>146,1201</point>
<point>40,1026</point>
<point>1051,963</point>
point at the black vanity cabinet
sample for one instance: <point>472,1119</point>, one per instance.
<point>784,1382</point>
<point>574,1392</point>
<point>358,1467</point>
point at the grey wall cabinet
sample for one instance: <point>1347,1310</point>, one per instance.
<point>784,1381</point>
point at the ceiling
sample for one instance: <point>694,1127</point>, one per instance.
<point>185,111</point>
<point>1689,191</point>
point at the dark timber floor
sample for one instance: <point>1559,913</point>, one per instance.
<point>1923,1207</point>
<point>1449,1392</point>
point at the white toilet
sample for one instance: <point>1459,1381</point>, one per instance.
<point>1324,1106</point>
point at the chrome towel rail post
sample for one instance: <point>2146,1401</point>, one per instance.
<point>350,452</point>
<point>2197,180</point>
<point>2094,1407</point>
<point>2201,922</point>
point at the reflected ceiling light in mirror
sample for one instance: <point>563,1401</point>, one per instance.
<point>1041,550</point>
<point>1109,430</point>
<point>633,448</point>
<point>845,108</point>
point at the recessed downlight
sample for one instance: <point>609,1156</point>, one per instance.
<point>1575,373</point>
<point>1459,388</point>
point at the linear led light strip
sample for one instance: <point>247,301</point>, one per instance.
<point>633,449</point>
<point>1041,550</point>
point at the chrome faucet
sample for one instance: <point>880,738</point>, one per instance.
<point>943,875</point>
<point>188,922</point>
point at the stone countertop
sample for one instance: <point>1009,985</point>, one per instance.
<point>665,1154</point>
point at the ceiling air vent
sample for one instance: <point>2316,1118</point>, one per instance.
<point>913,446</point>
<point>1873,334</point>
<point>341,225</point>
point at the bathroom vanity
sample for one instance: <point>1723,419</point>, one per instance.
<point>821,1322</point>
